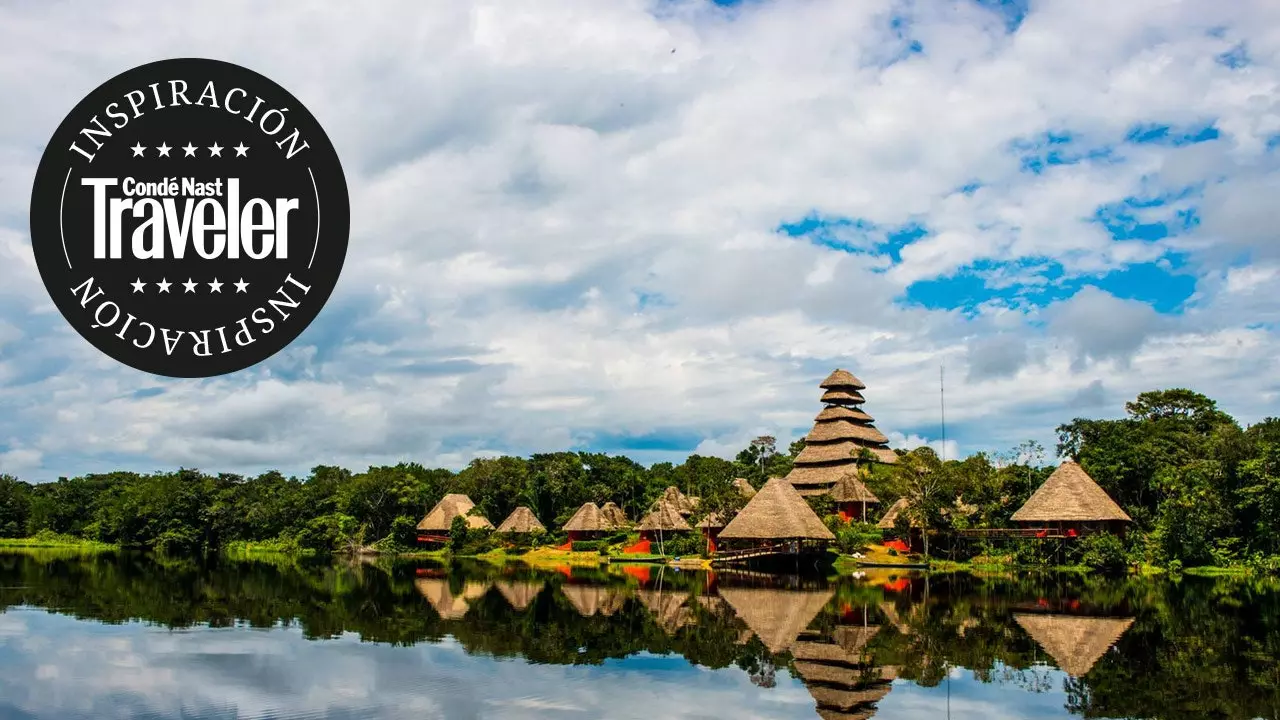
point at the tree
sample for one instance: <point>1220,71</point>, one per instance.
<point>921,478</point>
<point>15,506</point>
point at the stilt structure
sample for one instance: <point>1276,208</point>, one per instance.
<point>435,525</point>
<point>1070,504</point>
<point>840,433</point>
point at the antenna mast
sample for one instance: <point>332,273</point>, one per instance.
<point>942,400</point>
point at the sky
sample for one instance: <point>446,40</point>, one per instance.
<point>652,227</point>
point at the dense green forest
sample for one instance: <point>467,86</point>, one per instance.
<point>1202,490</point>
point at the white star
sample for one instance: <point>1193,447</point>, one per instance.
<point>164,285</point>
<point>241,286</point>
<point>164,150</point>
<point>241,149</point>
<point>137,150</point>
<point>138,285</point>
<point>190,149</point>
<point>215,150</point>
<point>215,286</point>
<point>190,286</point>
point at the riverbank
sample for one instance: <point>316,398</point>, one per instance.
<point>53,541</point>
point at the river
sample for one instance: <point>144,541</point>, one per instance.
<point>142,636</point>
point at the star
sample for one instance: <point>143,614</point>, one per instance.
<point>164,150</point>
<point>215,150</point>
<point>190,286</point>
<point>215,286</point>
<point>137,150</point>
<point>241,149</point>
<point>190,149</point>
<point>164,285</point>
<point>241,286</point>
<point>138,285</point>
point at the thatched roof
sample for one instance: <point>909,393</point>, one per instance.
<point>744,486</point>
<point>846,649</point>
<point>839,412</point>
<point>1075,643</point>
<point>849,488</point>
<point>890,517</point>
<point>521,520</point>
<point>842,379</point>
<point>446,604</point>
<point>519,594</point>
<point>1069,494</point>
<point>820,475</point>
<point>846,451</point>
<point>669,608</point>
<point>676,499</point>
<point>590,600</point>
<point>843,397</point>
<point>712,520</point>
<point>777,617</point>
<point>664,517</point>
<point>777,512</point>
<point>614,515</point>
<point>440,518</point>
<point>833,430</point>
<point>588,519</point>
<point>835,699</point>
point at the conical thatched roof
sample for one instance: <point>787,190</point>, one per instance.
<point>744,486</point>
<point>843,397</point>
<point>588,519</point>
<point>842,379</point>
<point>590,600</point>
<point>521,520</point>
<point>845,452</point>
<point>777,617</point>
<point>849,488</point>
<point>664,517</point>
<point>1075,643</point>
<point>890,517</point>
<point>777,512</point>
<point>519,594</point>
<point>1069,495</point>
<point>676,499</point>
<point>836,430</point>
<point>614,515</point>
<point>839,412</point>
<point>440,518</point>
<point>712,520</point>
<point>446,604</point>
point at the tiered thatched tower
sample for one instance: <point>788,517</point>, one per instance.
<point>840,432</point>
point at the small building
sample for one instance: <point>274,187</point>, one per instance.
<point>672,496</point>
<point>521,521</point>
<point>711,525</point>
<point>842,434</point>
<point>615,515</point>
<point>664,521</point>
<point>852,497</point>
<point>435,525</point>
<point>588,523</point>
<point>777,514</point>
<point>890,522</point>
<point>1070,503</point>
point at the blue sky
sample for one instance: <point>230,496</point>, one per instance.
<point>567,236</point>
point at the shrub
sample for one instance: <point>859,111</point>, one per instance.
<point>588,545</point>
<point>458,534</point>
<point>404,531</point>
<point>682,544</point>
<point>1104,552</point>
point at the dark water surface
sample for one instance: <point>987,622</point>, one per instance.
<point>116,636</point>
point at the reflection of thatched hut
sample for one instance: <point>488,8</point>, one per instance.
<point>839,435</point>
<point>615,515</point>
<point>665,519</point>
<point>852,497</point>
<point>835,671</point>
<point>588,522</point>
<point>591,600</point>
<point>777,617</point>
<point>670,609</point>
<point>449,606</point>
<point>519,594</point>
<point>1071,500</point>
<point>521,521</point>
<point>435,525</point>
<point>777,513</point>
<point>743,486</point>
<point>1075,643</point>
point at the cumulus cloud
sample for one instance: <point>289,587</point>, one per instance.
<point>562,229</point>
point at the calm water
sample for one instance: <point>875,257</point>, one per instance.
<point>136,636</point>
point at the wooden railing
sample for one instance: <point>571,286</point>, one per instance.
<point>1023,532</point>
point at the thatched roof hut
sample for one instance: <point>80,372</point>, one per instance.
<point>890,518</point>
<point>615,515</point>
<point>676,499</point>
<point>521,521</point>
<point>588,519</point>
<point>519,594</point>
<point>711,522</point>
<point>1075,643</point>
<point>849,489</point>
<point>664,517</point>
<point>840,433</point>
<point>591,600</point>
<point>440,518</point>
<point>742,485</point>
<point>777,617</point>
<point>777,512</point>
<point>1070,495</point>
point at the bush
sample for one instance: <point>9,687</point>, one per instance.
<point>856,536</point>
<point>1104,552</point>
<point>459,534</point>
<point>588,545</point>
<point>681,544</point>
<point>1032,552</point>
<point>404,531</point>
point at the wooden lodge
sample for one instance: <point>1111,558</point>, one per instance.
<point>588,523</point>
<point>435,525</point>
<point>1070,504</point>
<point>521,521</point>
<point>840,435</point>
<point>852,497</point>
<point>664,521</point>
<point>777,521</point>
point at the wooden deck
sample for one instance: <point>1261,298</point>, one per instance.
<point>782,549</point>
<point>1043,533</point>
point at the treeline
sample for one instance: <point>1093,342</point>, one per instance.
<point>1202,490</point>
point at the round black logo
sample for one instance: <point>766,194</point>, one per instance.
<point>190,218</point>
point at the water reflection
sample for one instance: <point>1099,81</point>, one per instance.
<point>87,637</point>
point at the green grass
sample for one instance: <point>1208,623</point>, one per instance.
<point>242,548</point>
<point>54,540</point>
